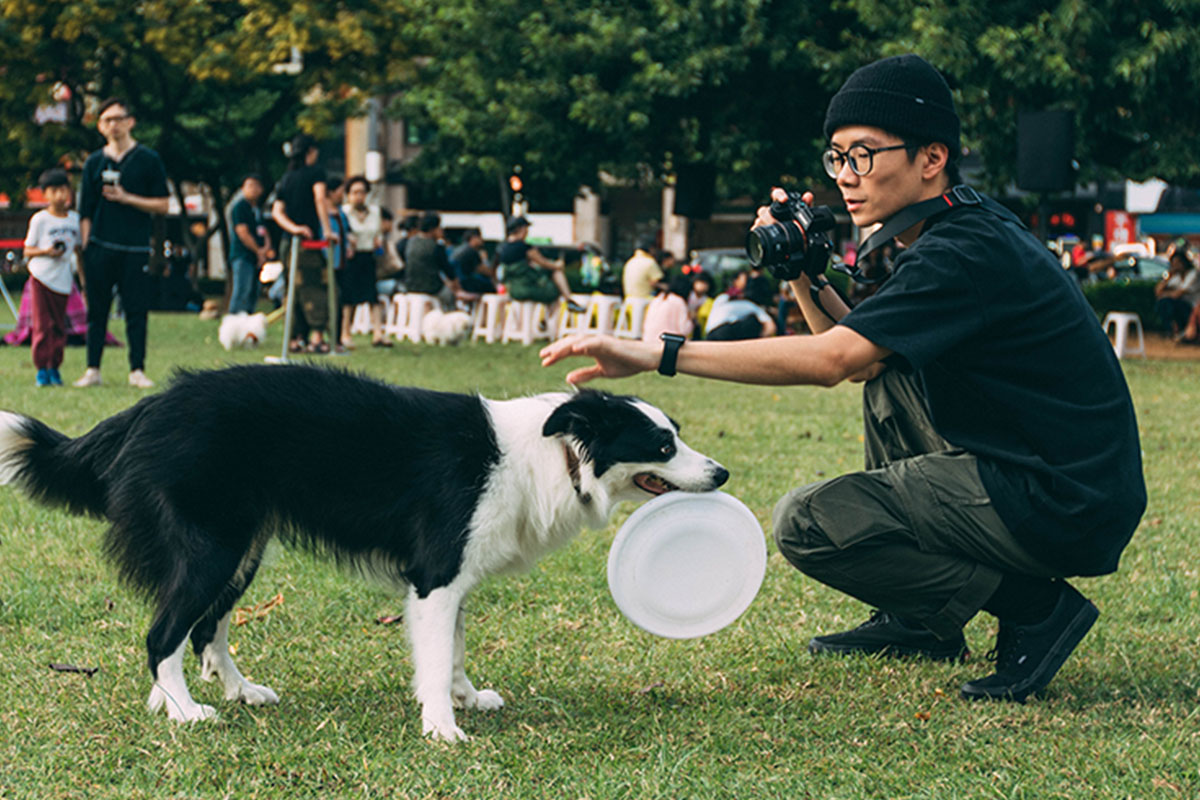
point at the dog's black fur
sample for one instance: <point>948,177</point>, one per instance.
<point>197,479</point>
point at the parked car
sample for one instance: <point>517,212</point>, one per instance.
<point>1137,268</point>
<point>722,263</point>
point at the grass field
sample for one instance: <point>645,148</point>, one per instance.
<point>595,707</point>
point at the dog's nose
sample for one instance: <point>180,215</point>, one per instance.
<point>719,475</point>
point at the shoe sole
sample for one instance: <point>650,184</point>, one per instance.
<point>1066,643</point>
<point>889,651</point>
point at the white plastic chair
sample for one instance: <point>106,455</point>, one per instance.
<point>632,318</point>
<point>527,320</point>
<point>1122,324</point>
<point>489,317</point>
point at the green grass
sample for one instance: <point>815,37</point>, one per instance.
<point>595,707</point>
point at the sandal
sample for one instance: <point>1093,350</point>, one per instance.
<point>297,346</point>
<point>319,348</point>
<point>381,343</point>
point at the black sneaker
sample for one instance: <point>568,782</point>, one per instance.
<point>575,308</point>
<point>1028,656</point>
<point>889,635</point>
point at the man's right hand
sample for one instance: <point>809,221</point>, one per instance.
<point>615,358</point>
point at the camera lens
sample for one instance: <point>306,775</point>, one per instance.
<point>773,244</point>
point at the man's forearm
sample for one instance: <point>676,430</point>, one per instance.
<point>823,360</point>
<point>151,205</point>
<point>243,233</point>
<point>818,321</point>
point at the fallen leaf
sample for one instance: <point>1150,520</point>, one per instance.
<point>651,687</point>
<point>389,620</point>
<point>248,613</point>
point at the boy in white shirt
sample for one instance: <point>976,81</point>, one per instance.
<point>50,247</point>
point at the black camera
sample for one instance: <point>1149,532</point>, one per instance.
<point>787,250</point>
<point>59,246</point>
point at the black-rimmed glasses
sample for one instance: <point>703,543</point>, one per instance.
<point>860,157</point>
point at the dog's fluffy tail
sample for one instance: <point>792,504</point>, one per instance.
<point>46,465</point>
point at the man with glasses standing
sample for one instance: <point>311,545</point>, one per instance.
<point>1002,450</point>
<point>123,184</point>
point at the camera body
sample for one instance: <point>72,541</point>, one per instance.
<point>787,250</point>
<point>60,247</point>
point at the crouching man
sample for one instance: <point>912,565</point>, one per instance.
<point>1002,452</point>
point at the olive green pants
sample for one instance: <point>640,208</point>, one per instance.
<point>915,534</point>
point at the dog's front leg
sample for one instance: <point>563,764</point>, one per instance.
<point>431,624</point>
<point>462,692</point>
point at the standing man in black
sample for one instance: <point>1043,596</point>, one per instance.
<point>123,184</point>
<point>1002,452</point>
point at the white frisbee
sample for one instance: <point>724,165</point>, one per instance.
<point>686,565</point>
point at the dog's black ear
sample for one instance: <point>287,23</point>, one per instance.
<point>565,419</point>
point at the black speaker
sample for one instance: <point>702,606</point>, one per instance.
<point>695,190</point>
<point>1045,150</point>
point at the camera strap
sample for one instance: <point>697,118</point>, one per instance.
<point>960,196</point>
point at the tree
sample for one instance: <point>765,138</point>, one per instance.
<point>199,74</point>
<point>1130,72</point>
<point>570,88</point>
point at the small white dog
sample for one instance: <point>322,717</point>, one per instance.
<point>445,327</point>
<point>242,330</point>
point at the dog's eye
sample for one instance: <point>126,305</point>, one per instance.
<point>667,450</point>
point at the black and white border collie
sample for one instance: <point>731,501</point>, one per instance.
<point>430,489</point>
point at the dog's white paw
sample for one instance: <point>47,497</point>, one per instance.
<point>253,694</point>
<point>483,699</point>
<point>443,730</point>
<point>186,711</point>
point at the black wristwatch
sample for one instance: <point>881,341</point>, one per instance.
<point>671,344</point>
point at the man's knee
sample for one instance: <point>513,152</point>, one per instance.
<point>798,535</point>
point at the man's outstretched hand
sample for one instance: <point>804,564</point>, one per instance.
<point>615,358</point>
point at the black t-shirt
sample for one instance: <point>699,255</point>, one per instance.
<point>466,259</point>
<point>118,225</point>
<point>1017,372</point>
<point>425,265</point>
<point>243,213</point>
<point>513,252</point>
<point>296,192</point>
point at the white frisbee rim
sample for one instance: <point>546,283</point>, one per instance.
<point>752,568</point>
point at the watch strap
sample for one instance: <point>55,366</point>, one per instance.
<point>671,344</point>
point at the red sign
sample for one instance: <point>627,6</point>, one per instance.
<point>1120,227</point>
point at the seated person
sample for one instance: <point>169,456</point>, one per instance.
<point>759,288</point>
<point>700,300</point>
<point>1178,292</point>
<point>474,275</point>
<point>732,319</point>
<point>427,268</point>
<point>528,274</point>
<point>642,275</point>
<point>668,312</point>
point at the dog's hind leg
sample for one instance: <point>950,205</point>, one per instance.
<point>462,692</point>
<point>197,582</point>
<point>431,626</point>
<point>210,640</point>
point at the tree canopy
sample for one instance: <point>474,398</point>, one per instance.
<point>571,88</point>
<point>568,88</point>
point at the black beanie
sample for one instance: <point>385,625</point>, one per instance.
<point>903,95</point>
